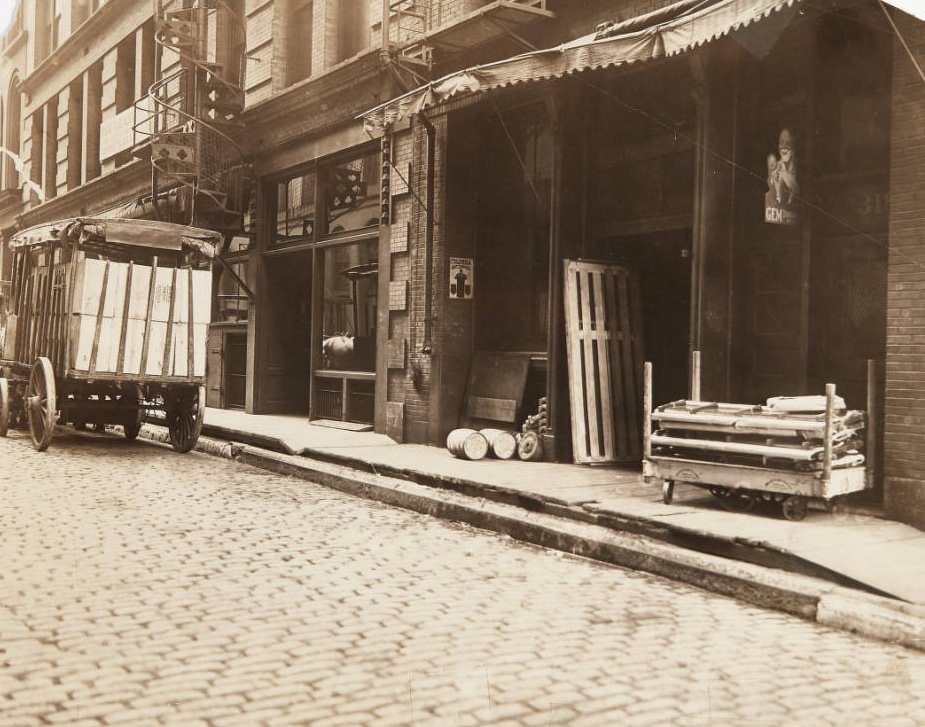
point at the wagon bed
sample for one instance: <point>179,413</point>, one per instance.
<point>107,320</point>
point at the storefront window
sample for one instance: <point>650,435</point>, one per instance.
<point>231,298</point>
<point>352,194</point>
<point>295,208</point>
<point>349,317</point>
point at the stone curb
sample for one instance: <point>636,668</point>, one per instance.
<point>875,617</point>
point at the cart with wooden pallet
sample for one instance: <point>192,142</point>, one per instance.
<point>746,454</point>
<point>106,321</point>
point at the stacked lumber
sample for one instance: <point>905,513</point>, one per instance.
<point>771,436</point>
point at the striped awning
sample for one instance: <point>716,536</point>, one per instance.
<point>677,28</point>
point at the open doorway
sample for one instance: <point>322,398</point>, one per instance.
<point>286,368</point>
<point>662,264</point>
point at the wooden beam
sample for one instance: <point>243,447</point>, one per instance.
<point>120,361</point>
<point>189,323</point>
<point>166,368</point>
<point>99,320</point>
<point>146,341</point>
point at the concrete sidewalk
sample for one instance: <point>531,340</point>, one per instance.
<point>857,550</point>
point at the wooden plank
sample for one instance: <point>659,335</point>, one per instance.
<point>827,442</point>
<point>485,407</point>
<point>189,322</point>
<point>94,351</point>
<point>166,367</point>
<point>695,376</point>
<point>589,378</point>
<point>71,293</point>
<point>602,348</point>
<point>146,341</point>
<point>647,410</point>
<point>873,423</point>
<point>120,360</point>
<point>616,365</point>
<point>797,454</point>
<point>573,352</point>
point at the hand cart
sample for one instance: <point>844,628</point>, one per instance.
<point>745,454</point>
<point>107,320</point>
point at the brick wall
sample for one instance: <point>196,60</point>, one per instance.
<point>904,433</point>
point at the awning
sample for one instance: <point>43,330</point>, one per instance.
<point>675,29</point>
<point>137,233</point>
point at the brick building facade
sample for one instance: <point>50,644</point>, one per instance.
<point>335,298</point>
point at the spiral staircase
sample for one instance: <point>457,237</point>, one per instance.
<point>189,123</point>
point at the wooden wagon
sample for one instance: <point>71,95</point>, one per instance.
<point>744,454</point>
<point>106,321</point>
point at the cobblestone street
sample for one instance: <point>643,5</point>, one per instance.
<point>140,587</point>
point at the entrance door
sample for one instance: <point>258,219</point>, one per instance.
<point>285,366</point>
<point>662,265</point>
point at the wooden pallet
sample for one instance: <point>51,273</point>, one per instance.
<point>603,324</point>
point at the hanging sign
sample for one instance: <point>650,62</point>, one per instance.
<point>461,278</point>
<point>783,189</point>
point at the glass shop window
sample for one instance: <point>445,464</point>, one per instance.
<point>352,194</point>
<point>349,317</point>
<point>231,298</point>
<point>295,209</point>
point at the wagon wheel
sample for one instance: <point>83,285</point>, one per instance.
<point>794,508</point>
<point>41,403</point>
<point>667,491</point>
<point>737,501</point>
<point>4,406</point>
<point>132,425</point>
<point>184,419</point>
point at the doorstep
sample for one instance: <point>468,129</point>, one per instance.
<point>855,549</point>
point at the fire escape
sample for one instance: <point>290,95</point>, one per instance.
<point>190,120</point>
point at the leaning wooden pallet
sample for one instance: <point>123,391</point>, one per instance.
<point>107,321</point>
<point>744,454</point>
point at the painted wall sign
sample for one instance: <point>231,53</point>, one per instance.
<point>461,278</point>
<point>783,188</point>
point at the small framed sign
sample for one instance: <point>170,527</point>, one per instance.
<point>462,280</point>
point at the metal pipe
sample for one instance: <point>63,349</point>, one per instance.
<point>872,424</point>
<point>647,411</point>
<point>695,375</point>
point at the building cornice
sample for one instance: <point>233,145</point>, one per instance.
<point>121,185</point>
<point>72,45</point>
<point>287,105</point>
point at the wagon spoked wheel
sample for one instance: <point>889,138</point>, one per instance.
<point>184,419</point>
<point>667,491</point>
<point>132,425</point>
<point>4,406</point>
<point>794,508</point>
<point>41,403</point>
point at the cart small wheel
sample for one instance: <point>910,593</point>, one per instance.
<point>41,403</point>
<point>132,427</point>
<point>794,508</point>
<point>184,419</point>
<point>737,501</point>
<point>667,491</point>
<point>4,407</point>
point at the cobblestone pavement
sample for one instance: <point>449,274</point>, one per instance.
<point>139,586</point>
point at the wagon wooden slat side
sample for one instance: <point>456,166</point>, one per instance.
<point>107,319</point>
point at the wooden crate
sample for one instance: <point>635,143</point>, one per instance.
<point>121,324</point>
<point>603,325</point>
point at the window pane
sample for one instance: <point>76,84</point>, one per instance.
<point>349,325</point>
<point>233,304</point>
<point>295,208</point>
<point>353,194</point>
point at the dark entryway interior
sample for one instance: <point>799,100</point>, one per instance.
<point>661,263</point>
<point>235,369</point>
<point>286,369</point>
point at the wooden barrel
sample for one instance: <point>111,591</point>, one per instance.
<point>530,447</point>
<point>467,444</point>
<point>501,443</point>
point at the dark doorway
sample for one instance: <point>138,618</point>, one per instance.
<point>661,261</point>
<point>235,369</point>
<point>286,366</point>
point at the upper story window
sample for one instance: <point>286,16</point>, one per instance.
<point>352,28</point>
<point>295,208</point>
<point>352,194</point>
<point>299,45</point>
